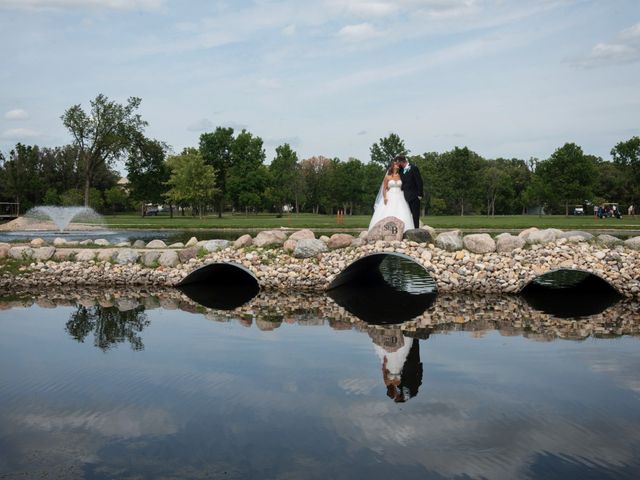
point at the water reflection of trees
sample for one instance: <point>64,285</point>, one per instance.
<point>109,326</point>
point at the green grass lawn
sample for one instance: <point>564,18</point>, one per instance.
<point>306,220</point>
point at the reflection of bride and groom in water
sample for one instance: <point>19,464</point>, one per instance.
<point>400,359</point>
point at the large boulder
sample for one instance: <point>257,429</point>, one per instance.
<point>290,245</point>
<point>608,240</point>
<point>124,244</point>
<point>524,234</point>
<point>139,244</point>
<point>102,242</point>
<point>187,254</point>
<point>59,242</point>
<point>86,255</point>
<point>43,254</point>
<point>36,242</point>
<point>126,256</point>
<point>20,253</point>
<point>419,235</point>
<point>309,247</point>
<point>586,236</point>
<point>302,234</point>
<point>156,244</point>
<point>243,241</point>
<point>269,238</point>
<point>106,255</point>
<point>340,240</point>
<point>168,258</point>
<point>479,243</point>
<point>505,242</point>
<point>4,251</point>
<point>193,241</point>
<point>547,235</point>
<point>450,241</point>
<point>215,245</point>
<point>633,243</point>
<point>431,230</point>
<point>389,228</point>
<point>150,259</point>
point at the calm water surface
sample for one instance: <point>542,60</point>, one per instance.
<point>93,392</point>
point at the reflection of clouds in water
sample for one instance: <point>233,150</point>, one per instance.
<point>128,422</point>
<point>623,371</point>
<point>358,386</point>
<point>500,443</point>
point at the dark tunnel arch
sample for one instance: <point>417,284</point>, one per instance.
<point>384,288</point>
<point>570,293</point>
<point>222,286</point>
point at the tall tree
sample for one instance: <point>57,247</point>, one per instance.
<point>459,169</point>
<point>147,171</point>
<point>284,170</point>
<point>22,176</point>
<point>103,134</point>
<point>569,174</point>
<point>192,181</point>
<point>247,177</point>
<point>215,148</point>
<point>387,148</point>
<point>627,154</point>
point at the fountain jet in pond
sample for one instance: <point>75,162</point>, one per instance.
<point>62,216</point>
<point>384,288</point>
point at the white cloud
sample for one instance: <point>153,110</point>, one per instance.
<point>270,83</point>
<point>202,125</point>
<point>39,5</point>
<point>289,30</point>
<point>357,33</point>
<point>17,114</point>
<point>625,48</point>
<point>19,134</point>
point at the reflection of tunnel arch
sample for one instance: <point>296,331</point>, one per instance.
<point>223,286</point>
<point>568,293</point>
<point>384,288</point>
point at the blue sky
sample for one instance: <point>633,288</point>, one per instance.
<point>506,78</point>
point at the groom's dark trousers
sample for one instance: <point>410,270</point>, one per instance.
<point>412,188</point>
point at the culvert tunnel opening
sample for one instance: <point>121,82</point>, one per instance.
<point>220,286</point>
<point>384,289</point>
<point>568,293</point>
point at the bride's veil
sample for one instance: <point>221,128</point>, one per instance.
<point>380,196</point>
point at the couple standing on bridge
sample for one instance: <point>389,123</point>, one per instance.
<point>400,194</point>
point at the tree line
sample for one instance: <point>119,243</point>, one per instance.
<point>227,171</point>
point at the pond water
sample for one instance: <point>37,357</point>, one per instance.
<point>111,384</point>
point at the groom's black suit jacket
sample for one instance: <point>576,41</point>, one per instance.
<point>412,184</point>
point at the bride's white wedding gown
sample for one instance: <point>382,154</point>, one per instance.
<point>396,206</point>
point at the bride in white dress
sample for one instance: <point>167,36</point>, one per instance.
<point>391,201</point>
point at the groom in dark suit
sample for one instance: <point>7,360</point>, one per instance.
<point>411,186</point>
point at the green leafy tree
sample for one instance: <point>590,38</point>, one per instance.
<point>459,173</point>
<point>627,155</point>
<point>192,181</point>
<point>386,149</point>
<point>104,134</point>
<point>569,174</point>
<point>495,181</point>
<point>147,172</point>
<point>315,173</point>
<point>248,177</point>
<point>284,172</point>
<point>215,148</point>
<point>22,176</point>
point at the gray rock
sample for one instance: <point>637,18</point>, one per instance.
<point>244,241</point>
<point>302,234</point>
<point>363,234</point>
<point>43,253</point>
<point>267,238</point>
<point>156,244</point>
<point>85,255</point>
<point>633,243</point>
<point>450,241</point>
<point>544,236</point>
<point>389,228</point>
<point>187,254</point>
<point>88,241</point>
<point>431,230</point>
<point>608,240</point>
<point>193,241</point>
<point>64,254</point>
<point>106,255</point>
<point>123,244</point>
<point>169,258</point>
<point>340,240</point>
<point>139,244</point>
<point>524,234</point>
<point>307,248</point>
<point>126,256</point>
<point>324,238</point>
<point>215,245</point>
<point>177,245</point>
<point>576,233</point>
<point>419,235</point>
<point>59,242</point>
<point>479,243</point>
<point>150,259</point>
<point>358,242</point>
<point>505,242</point>
<point>280,235</point>
<point>20,253</point>
<point>102,242</point>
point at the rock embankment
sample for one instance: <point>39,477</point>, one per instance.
<point>302,262</point>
